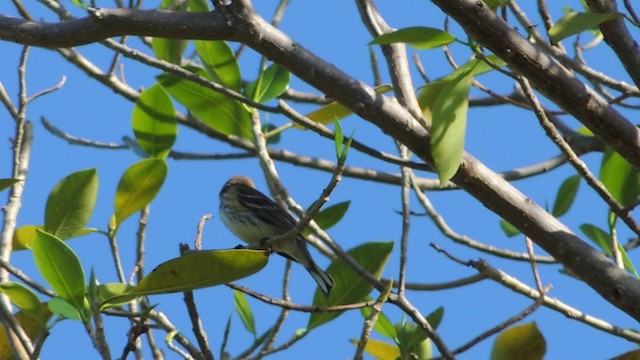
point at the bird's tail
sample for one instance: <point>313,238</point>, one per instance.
<point>325,281</point>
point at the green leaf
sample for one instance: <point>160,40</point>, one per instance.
<point>62,308</point>
<point>627,262</point>
<point>508,229</point>
<point>523,342</point>
<point>25,299</point>
<point>380,350</point>
<point>576,22</point>
<point>169,50</point>
<point>23,236</point>
<point>154,122</point>
<point>244,311</point>
<point>198,6</point>
<point>435,317</point>
<point>212,108</point>
<point>7,183</point>
<point>421,38</point>
<point>338,138</point>
<point>619,177</point>
<point>383,325</point>
<point>631,355</point>
<point>60,266</point>
<point>71,203</point>
<point>331,215</point>
<point>449,125</point>
<point>138,186</point>
<point>201,269</point>
<point>220,62</point>
<point>598,236</point>
<point>272,138</point>
<point>494,4</point>
<point>412,341</point>
<point>117,291</point>
<point>273,82</point>
<point>566,194</point>
<point>335,111</point>
<point>32,327</point>
<point>350,287</point>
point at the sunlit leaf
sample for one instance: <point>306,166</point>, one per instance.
<point>598,236</point>
<point>331,215</point>
<point>523,342</point>
<point>619,177</point>
<point>70,204</point>
<point>412,341</point>
<point>380,350</point>
<point>220,62</point>
<point>138,186</point>
<point>436,317</point>
<point>421,38</point>
<point>244,311</point>
<point>336,111</point>
<point>449,124</point>
<point>383,325</point>
<point>274,81</point>
<point>60,266</point>
<point>576,22</point>
<point>508,229</point>
<point>154,122</point>
<point>566,194</point>
<point>62,308</point>
<point>627,262</point>
<point>350,287</point>
<point>118,291</point>
<point>23,236</point>
<point>25,299</point>
<point>201,269</point>
<point>7,183</point>
<point>212,108</point>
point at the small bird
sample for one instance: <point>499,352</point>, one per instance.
<point>254,217</point>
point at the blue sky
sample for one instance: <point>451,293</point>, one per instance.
<point>501,137</point>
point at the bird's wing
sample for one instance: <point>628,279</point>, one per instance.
<point>265,208</point>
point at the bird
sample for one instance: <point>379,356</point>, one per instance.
<point>254,217</point>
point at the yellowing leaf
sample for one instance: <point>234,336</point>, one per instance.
<point>523,342</point>
<point>380,349</point>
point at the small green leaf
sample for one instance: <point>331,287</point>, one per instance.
<point>220,62</point>
<point>25,299</point>
<point>169,50</point>
<point>380,350</point>
<point>23,236</point>
<point>436,317</point>
<point>421,38</point>
<point>138,186</point>
<point>201,269</point>
<point>244,311</point>
<point>198,6</point>
<point>338,138</point>
<point>60,266</point>
<point>575,22</point>
<point>566,194</point>
<point>627,262</point>
<point>619,177</point>
<point>274,81</point>
<point>331,215</point>
<point>7,183</point>
<point>274,137</point>
<point>212,108</point>
<point>335,111</point>
<point>412,341</point>
<point>449,126</point>
<point>598,236</point>
<point>117,291</point>
<point>350,287</point>
<point>71,203</point>
<point>62,308</point>
<point>383,325</point>
<point>523,342</point>
<point>154,122</point>
<point>508,229</point>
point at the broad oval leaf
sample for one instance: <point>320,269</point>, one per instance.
<point>350,287</point>
<point>33,328</point>
<point>71,203</point>
<point>419,37</point>
<point>60,266</point>
<point>271,84</point>
<point>220,62</point>
<point>244,311</point>
<point>23,236</point>
<point>201,269</point>
<point>154,122</point>
<point>619,177</point>
<point>119,291</point>
<point>508,229</point>
<point>139,184</point>
<point>25,299</point>
<point>331,215</point>
<point>62,308</point>
<point>598,236</point>
<point>575,22</point>
<point>380,350</point>
<point>169,50</point>
<point>566,194</point>
<point>7,183</point>
<point>212,108</point>
<point>449,124</point>
<point>523,342</point>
